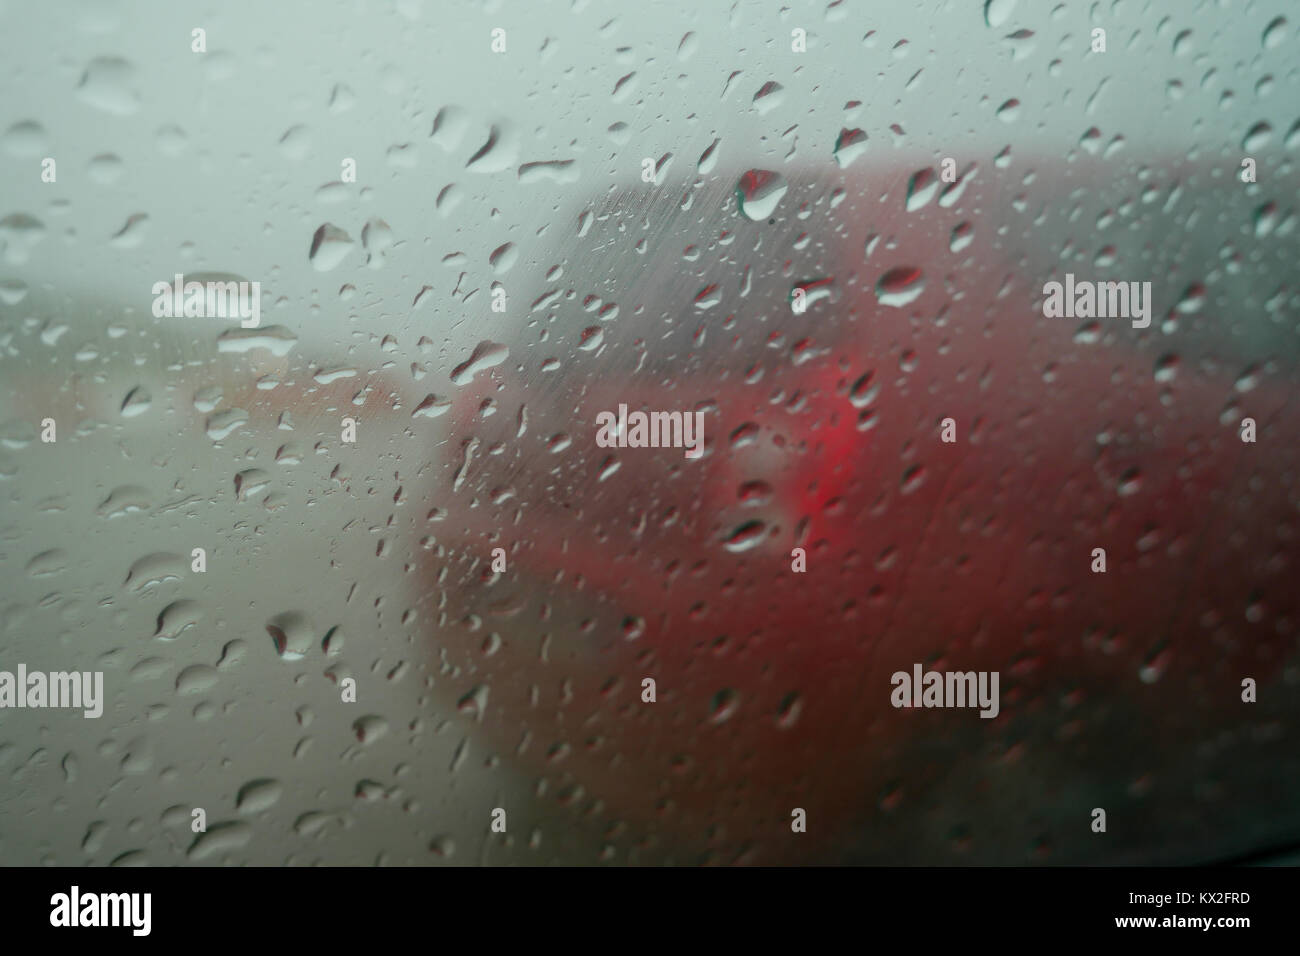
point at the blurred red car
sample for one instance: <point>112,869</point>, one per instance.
<point>823,431</point>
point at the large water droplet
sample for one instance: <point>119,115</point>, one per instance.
<point>747,537</point>
<point>901,286</point>
<point>258,795</point>
<point>849,145</point>
<point>292,635</point>
<point>759,191</point>
<point>154,569</point>
<point>921,189</point>
<point>329,246</point>
<point>176,618</point>
<point>486,355</point>
<point>996,12</point>
<point>137,402</point>
<point>105,85</point>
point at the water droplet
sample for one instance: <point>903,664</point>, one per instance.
<point>329,246</point>
<point>744,435</point>
<point>963,234</point>
<point>503,258</point>
<point>496,154</point>
<point>768,97</point>
<point>849,145</point>
<point>105,85</point>
<point>1274,34</point>
<point>13,291</point>
<point>708,297</point>
<point>47,563</point>
<point>814,290</point>
<point>723,707</point>
<point>913,479</point>
<point>369,728</point>
<point>709,158</point>
<point>486,355</point>
<point>258,795</point>
<point>921,189</point>
<point>754,493</point>
<point>758,193</point>
<point>342,98</point>
<point>275,339</point>
<point>26,138</point>
<point>154,569</point>
<point>788,713</point>
<point>292,635</point>
<point>1248,380</point>
<point>443,846</point>
<point>900,286</point>
<point>295,144</point>
<point>432,407</point>
<point>863,392</point>
<point>222,423</point>
<point>123,500</point>
<point>106,169</point>
<point>220,838</point>
<point>449,127</point>
<point>563,171</point>
<point>996,12</point>
<point>137,402</point>
<point>325,376</point>
<point>176,618</point>
<point>196,679</point>
<point>747,537</point>
<point>1156,665</point>
<point>376,239</point>
<point>1257,137</point>
<point>19,233</point>
<point>1193,299</point>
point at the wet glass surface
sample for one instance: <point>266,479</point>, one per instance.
<point>433,585</point>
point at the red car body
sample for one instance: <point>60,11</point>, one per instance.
<point>1120,690</point>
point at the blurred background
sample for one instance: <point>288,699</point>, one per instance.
<point>791,146</point>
